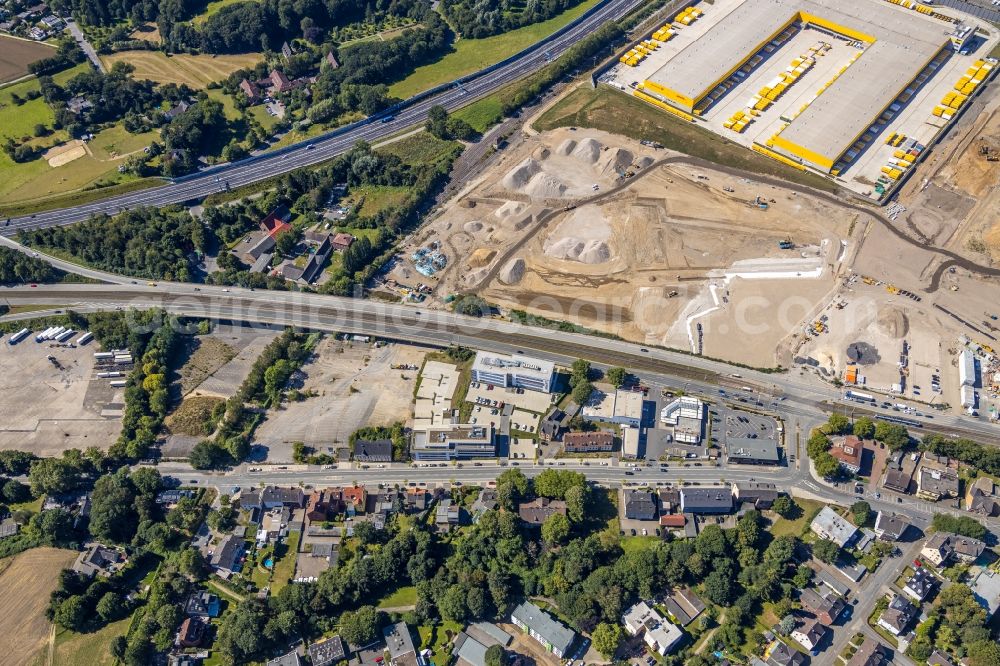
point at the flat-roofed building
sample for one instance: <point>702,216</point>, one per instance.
<point>552,635</point>
<point>936,483</point>
<point>986,590</point>
<point>714,500</point>
<point>894,46</point>
<point>828,525</point>
<point>686,417</point>
<point>513,371</point>
<point>750,451</point>
<point>622,407</point>
<point>453,442</point>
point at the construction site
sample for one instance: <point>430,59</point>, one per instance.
<point>856,91</point>
<point>611,234</point>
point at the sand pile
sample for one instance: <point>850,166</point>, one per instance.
<point>508,209</point>
<point>588,150</point>
<point>545,186</point>
<point>473,227</point>
<point>586,252</point>
<point>614,161</point>
<point>541,153</point>
<point>512,272</point>
<point>566,147</point>
<point>481,257</point>
<point>518,177</point>
<point>892,322</point>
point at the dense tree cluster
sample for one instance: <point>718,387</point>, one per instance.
<point>964,525</point>
<point>482,18</point>
<point>579,381</point>
<point>18,268</point>
<point>956,623</point>
<point>156,243</point>
<point>443,126</point>
<point>396,433</point>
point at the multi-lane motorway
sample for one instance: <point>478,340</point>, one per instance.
<point>325,147</point>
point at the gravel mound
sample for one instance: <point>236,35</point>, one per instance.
<point>545,186</point>
<point>473,227</point>
<point>518,177</point>
<point>588,150</point>
<point>512,272</point>
<point>541,153</point>
<point>615,161</point>
<point>566,147</point>
<point>573,249</point>
<point>508,209</point>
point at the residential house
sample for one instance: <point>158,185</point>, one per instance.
<point>829,525</point>
<point>779,654</point>
<point>661,636</point>
<point>920,584</point>
<point>376,450</point>
<point>400,646</point>
<point>982,497</point>
<point>810,634</point>
<point>279,82</point>
<point>317,259</point>
<point>939,658</point>
<point>327,651</point>
<point>202,604</point>
<point>342,241</point>
<point>639,505</point>
<point>890,526</point>
<point>288,659</point>
<point>942,547</point>
<point>485,501</point>
<point>588,442</point>
<point>553,425</point>
<point>897,480</point>
<point>936,482</point>
<point>683,605</point>
<point>417,499</point>
<point>673,521</point>
<point>191,631</point>
<point>8,528</point>
<point>286,51</point>
<point>847,452</point>
<point>552,635</point>
<point>100,560</point>
<point>250,90</point>
<point>669,499</point>
<point>276,221</point>
<point>270,497</point>
<point>78,105</point>
<point>828,580</point>
<point>331,61</point>
<point>827,608</point>
<point>715,500</point>
<point>228,555</point>
<point>262,248</point>
<point>758,495</point>
<point>871,653</point>
<point>986,590</point>
<point>898,616</point>
<point>447,513</point>
<point>354,498</point>
<point>177,109</point>
<point>321,504</point>
<point>538,510</point>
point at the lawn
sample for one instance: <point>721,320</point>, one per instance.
<point>17,54</point>
<point>228,104</point>
<point>116,143</point>
<point>212,8</point>
<point>196,71</point>
<point>483,114</point>
<point>284,567</point>
<point>436,638</point>
<point>376,198</point>
<point>470,55</point>
<point>420,148</point>
<point>604,108</point>
<point>795,527</point>
<point>73,649</point>
<point>632,544</point>
<point>404,596</point>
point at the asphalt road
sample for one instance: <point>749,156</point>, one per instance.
<point>320,149</point>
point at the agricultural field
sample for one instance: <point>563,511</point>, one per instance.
<point>196,71</point>
<point>26,581</point>
<point>212,8</point>
<point>470,55</point>
<point>17,54</point>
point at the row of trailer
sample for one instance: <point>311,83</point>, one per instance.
<point>115,357</point>
<point>52,333</point>
<point>639,52</point>
<point>774,89</point>
<point>963,89</point>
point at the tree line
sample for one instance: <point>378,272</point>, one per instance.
<point>475,19</point>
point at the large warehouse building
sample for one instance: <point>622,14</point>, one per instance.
<point>897,49</point>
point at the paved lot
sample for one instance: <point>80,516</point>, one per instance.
<point>531,401</point>
<point>438,382</point>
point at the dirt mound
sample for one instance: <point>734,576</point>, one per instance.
<point>508,209</point>
<point>574,249</point>
<point>521,221</point>
<point>518,177</point>
<point>473,227</point>
<point>644,162</point>
<point>541,153</point>
<point>566,147</point>
<point>588,150</point>
<point>481,257</point>
<point>615,161</point>
<point>893,322</point>
<point>545,186</point>
<point>512,272</point>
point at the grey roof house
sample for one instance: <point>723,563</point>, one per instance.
<point>552,635</point>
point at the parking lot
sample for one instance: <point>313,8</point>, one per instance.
<point>531,401</point>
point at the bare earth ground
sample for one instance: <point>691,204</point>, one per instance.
<point>631,264</point>
<point>355,386</point>
<point>25,586</point>
<point>17,54</point>
<point>210,354</point>
<point>44,409</point>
